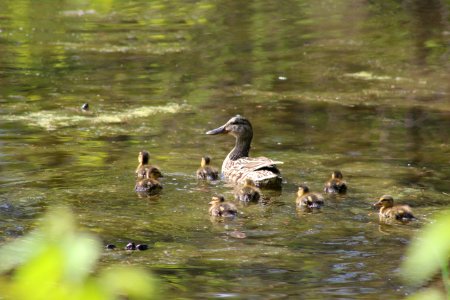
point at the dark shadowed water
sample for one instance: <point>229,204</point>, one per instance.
<point>360,86</point>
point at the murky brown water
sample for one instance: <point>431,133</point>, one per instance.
<point>356,86</point>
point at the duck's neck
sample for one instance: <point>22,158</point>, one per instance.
<point>242,147</point>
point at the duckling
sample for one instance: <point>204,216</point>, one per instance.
<point>220,208</point>
<point>248,192</point>
<point>144,166</point>
<point>336,185</point>
<point>206,172</point>
<point>308,200</point>
<point>150,185</point>
<point>390,211</point>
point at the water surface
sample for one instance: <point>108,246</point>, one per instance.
<point>351,85</point>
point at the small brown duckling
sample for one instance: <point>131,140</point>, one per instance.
<point>144,166</point>
<point>206,172</point>
<point>220,208</point>
<point>336,185</point>
<point>308,200</point>
<point>149,185</point>
<point>390,211</point>
<point>248,192</point>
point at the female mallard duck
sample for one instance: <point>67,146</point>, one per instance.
<point>206,172</point>
<point>336,185</point>
<point>150,184</point>
<point>248,192</point>
<point>237,166</point>
<point>306,199</point>
<point>144,166</point>
<point>220,208</point>
<point>390,211</point>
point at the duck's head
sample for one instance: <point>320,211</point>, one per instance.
<point>217,199</point>
<point>237,126</point>
<point>205,161</point>
<point>337,175</point>
<point>385,201</point>
<point>302,189</point>
<point>143,157</point>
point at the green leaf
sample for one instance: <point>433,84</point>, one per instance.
<point>429,252</point>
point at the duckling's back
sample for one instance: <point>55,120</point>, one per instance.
<point>207,173</point>
<point>335,186</point>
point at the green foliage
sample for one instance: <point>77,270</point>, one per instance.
<point>428,254</point>
<point>56,262</point>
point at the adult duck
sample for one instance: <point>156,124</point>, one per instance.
<point>390,211</point>
<point>237,166</point>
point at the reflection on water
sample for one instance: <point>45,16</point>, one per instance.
<point>355,86</point>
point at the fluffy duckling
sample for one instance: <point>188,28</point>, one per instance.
<point>206,172</point>
<point>308,200</point>
<point>144,166</point>
<point>150,184</point>
<point>248,192</point>
<point>390,211</point>
<point>220,208</point>
<point>336,185</point>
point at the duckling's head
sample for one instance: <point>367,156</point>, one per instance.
<point>217,199</point>
<point>143,157</point>
<point>385,201</point>
<point>302,189</point>
<point>237,126</point>
<point>337,175</point>
<point>205,161</point>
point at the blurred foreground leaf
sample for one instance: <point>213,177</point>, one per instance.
<point>56,262</point>
<point>428,254</point>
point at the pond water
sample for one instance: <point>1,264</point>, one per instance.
<point>358,86</point>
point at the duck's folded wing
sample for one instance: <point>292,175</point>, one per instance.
<point>255,163</point>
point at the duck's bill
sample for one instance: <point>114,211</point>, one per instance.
<point>219,130</point>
